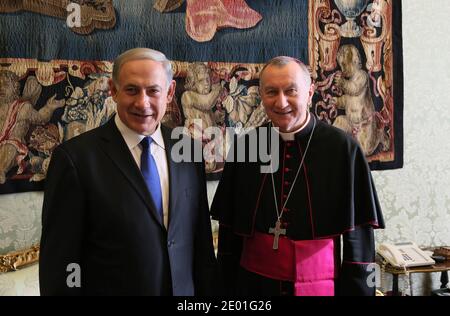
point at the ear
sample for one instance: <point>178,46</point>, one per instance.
<point>171,91</point>
<point>311,92</point>
<point>112,89</point>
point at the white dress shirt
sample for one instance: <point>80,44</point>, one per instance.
<point>157,149</point>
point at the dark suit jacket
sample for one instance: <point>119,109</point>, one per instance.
<point>98,214</point>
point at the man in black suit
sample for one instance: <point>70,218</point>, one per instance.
<point>104,230</point>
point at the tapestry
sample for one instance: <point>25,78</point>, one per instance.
<point>355,58</point>
<point>97,14</point>
<point>54,79</point>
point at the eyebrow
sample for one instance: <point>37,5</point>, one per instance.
<point>293,85</point>
<point>132,85</point>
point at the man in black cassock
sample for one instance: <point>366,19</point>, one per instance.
<point>281,233</point>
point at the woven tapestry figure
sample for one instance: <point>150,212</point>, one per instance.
<point>17,115</point>
<point>360,116</point>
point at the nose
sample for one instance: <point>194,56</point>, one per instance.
<point>281,101</point>
<point>142,99</point>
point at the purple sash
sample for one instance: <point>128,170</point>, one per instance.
<point>310,264</point>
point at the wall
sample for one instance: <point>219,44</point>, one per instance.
<point>20,220</point>
<point>415,199</point>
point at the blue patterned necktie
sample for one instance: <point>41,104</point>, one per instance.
<point>151,175</point>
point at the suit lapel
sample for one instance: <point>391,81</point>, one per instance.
<point>115,147</point>
<point>175,173</point>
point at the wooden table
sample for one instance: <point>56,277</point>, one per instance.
<point>443,267</point>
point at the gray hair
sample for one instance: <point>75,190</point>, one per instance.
<point>281,61</point>
<point>139,54</point>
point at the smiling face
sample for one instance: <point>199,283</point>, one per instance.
<point>142,93</point>
<point>285,93</point>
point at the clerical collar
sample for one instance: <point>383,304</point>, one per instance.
<point>291,135</point>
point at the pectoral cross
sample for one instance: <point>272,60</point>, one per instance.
<point>277,231</point>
